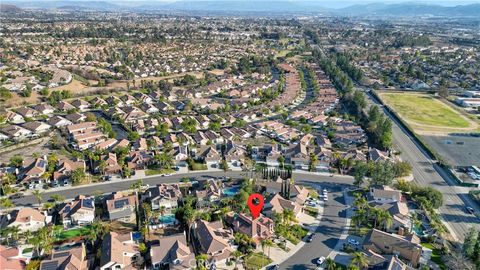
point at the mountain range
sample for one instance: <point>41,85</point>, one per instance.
<point>408,9</point>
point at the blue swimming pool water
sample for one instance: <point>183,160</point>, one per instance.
<point>167,219</point>
<point>419,230</point>
<point>136,236</point>
<point>231,191</point>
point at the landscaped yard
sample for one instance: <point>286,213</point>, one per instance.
<point>257,261</point>
<point>158,171</point>
<point>424,112</point>
<point>436,255</point>
<point>69,234</point>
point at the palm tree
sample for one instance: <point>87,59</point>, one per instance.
<point>331,265</point>
<point>313,162</point>
<point>164,160</point>
<point>162,209</point>
<point>387,221</point>
<point>269,244</point>
<point>360,260</point>
<point>102,165</point>
<point>6,203</point>
<point>38,196</point>
<point>236,255</point>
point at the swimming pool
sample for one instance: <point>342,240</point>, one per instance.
<point>167,219</point>
<point>419,230</point>
<point>231,191</point>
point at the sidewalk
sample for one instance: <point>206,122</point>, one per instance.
<point>279,255</point>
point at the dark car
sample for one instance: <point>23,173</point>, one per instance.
<point>273,267</point>
<point>470,210</point>
<point>16,196</point>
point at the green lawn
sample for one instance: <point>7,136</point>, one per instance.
<point>157,171</point>
<point>65,235</point>
<point>257,261</point>
<point>424,110</point>
<point>436,255</point>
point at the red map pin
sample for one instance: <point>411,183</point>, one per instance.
<point>255,203</point>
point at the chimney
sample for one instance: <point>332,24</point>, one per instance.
<point>401,231</point>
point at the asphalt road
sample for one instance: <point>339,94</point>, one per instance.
<point>107,187</point>
<point>326,236</point>
<point>426,173</point>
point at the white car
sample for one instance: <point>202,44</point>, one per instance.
<point>352,241</point>
<point>325,197</point>
<point>145,186</point>
<point>320,260</point>
<point>325,191</point>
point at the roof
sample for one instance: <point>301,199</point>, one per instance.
<point>173,250</point>
<point>117,248</point>
<point>8,260</point>
<point>26,215</point>
<point>212,237</point>
<point>386,192</point>
<point>70,259</point>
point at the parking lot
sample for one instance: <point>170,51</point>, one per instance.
<point>457,150</point>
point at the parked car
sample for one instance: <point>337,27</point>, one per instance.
<point>16,196</point>
<point>273,267</point>
<point>470,210</point>
<point>320,260</point>
<point>310,238</point>
<point>352,241</point>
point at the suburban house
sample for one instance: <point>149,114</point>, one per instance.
<point>36,127</point>
<point>406,247</point>
<point>298,156</point>
<point>384,262</point>
<point>385,194</point>
<point>277,204</point>
<point>80,211</point>
<point>172,251</point>
<point>67,259</point>
<point>108,164</point>
<point>26,219</point>
<point>400,214</point>
<point>119,251</point>
<point>258,229</point>
<point>164,195</point>
<point>122,208</point>
<point>64,170</point>
<point>58,121</point>
<point>16,132</point>
<point>11,258</point>
<point>31,172</point>
<point>213,239</point>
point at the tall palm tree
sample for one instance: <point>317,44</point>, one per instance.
<point>6,203</point>
<point>162,210</point>
<point>331,265</point>
<point>360,260</point>
<point>387,221</point>
<point>269,244</point>
<point>236,255</point>
<point>38,195</point>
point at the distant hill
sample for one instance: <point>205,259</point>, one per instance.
<point>409,9</point>
<point>9,8</point>
<point>245,7</point>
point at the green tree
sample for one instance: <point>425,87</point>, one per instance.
<point>38,196</point>
<point>360,260</point>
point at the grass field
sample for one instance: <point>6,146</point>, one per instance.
<point>425,113</point>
